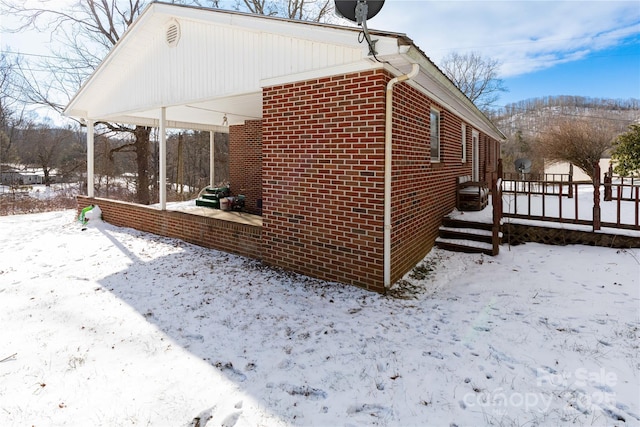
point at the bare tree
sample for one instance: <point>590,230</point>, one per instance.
<point>305,10</point>
<point>475,76</point>
<point>87,30</point>
<point>41,145</point>
<point>580,141</point>
<point>12,113</point>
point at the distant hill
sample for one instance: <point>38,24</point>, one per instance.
<point>522,121</point>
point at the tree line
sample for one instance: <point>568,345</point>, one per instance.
<point>89,29</point>
<point>575,129</point>
<point>62,156</point>
<point>567,101</point>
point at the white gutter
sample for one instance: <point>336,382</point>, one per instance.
<point>387,171</point>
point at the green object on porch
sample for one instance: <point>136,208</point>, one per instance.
<point>84,211</point>
<point>209,203</point>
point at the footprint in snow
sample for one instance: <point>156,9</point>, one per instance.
<point>374,410</point>
<point>231,419</point>
<point>230,371</point>
<point>433,353</point>
<point>202,418</point>
<point>614,415</point>
<point>286,364</point>
<point>304,390</point>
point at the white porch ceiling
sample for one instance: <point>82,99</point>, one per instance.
<point>210,114</point>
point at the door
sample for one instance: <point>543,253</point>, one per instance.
<point>475,156</point>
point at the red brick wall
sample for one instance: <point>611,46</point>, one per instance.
<point>245,163</point>
<point>323,176</point>
<point>423,191</point>
<point>323,152</point>
<point>317,162</point>
<point>240,239</point>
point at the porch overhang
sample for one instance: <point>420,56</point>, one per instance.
<point>213,75</point>
<point>214,115</point>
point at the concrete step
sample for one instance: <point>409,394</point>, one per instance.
<point>458,223</point>
<point>474,234</point>
<point>466,246</point>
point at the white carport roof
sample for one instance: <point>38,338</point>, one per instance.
<point>203,65</point>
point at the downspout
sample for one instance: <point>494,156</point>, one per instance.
<point>387,171</point>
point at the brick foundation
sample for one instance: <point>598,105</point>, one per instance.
<point>240,239</point>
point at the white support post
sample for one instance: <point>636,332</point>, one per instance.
<point>90,159</point>
<point>212,159</point>
<point>162,185</point>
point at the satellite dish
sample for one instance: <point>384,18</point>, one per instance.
<point>523,165</point>
<point>359,11</point>
<point>353,10</point>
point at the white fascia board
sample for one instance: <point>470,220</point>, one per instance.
<point>355,67</point>
<point>146,14</point>
<point>141,111</point>
<point>76,114</point>
<point>170,124</point>
<point>326,33</point>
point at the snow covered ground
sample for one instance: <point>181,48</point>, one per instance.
<point>114,327</point>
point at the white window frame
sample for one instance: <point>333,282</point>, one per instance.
<point>463,144</point>
<point>438,135</point>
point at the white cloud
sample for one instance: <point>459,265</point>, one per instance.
<point>526,36</point>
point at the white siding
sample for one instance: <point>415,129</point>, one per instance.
<point>209,61</point>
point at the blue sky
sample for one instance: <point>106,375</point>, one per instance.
<point>586,48</point>
<point>612,73</point>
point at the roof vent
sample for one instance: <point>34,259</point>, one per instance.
<point>173,33</point>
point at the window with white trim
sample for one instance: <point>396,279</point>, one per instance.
<point>463,144</point>
<point>435,135</point>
